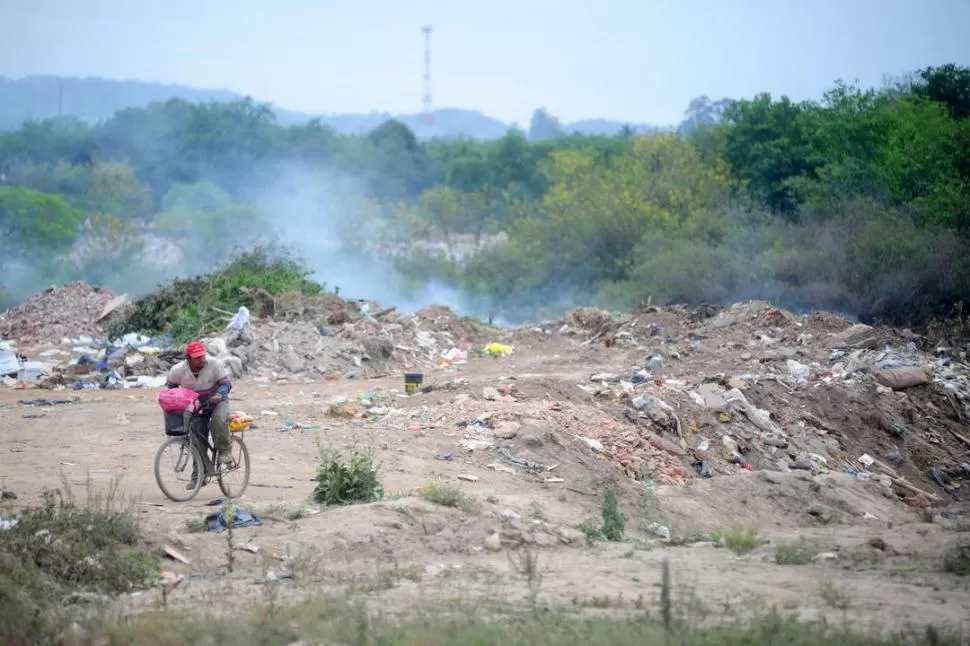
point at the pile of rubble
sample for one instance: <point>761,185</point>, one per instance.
<point>753,386</point>
<point>714,391</point>
<point>60,334</point>
<point>352,343</point>
<point>71,311</point>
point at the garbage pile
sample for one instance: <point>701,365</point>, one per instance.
<point>70,311</point>
<point>753,386</point>
<point>353,342</point>
<point>88,363</point>
<point>59,339</point>
<point>714,391</point>
<point>509,429</point>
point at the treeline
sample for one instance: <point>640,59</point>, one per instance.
<point>858,202</point>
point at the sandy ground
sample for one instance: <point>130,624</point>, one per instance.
<point>880,568</point>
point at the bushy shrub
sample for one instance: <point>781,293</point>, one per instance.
<point>189,307</point>
<point>347,480</point>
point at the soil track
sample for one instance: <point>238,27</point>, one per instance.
<point>879,564</point>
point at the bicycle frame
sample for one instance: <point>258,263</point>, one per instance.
<point>192,430</point>
<point>199,434</point>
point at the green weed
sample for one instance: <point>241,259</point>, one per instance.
<point>347,480</point>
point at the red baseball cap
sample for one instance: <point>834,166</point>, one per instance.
<point>195,349</point>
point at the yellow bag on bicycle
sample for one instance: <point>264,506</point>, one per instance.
<point>239,422</point>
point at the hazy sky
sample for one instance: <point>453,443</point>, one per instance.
<point>628,60</point>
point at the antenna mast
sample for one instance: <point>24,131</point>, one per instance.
<point>426,97</point>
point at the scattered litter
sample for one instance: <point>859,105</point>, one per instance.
<point>528,465</point>
<point>48,402</point>
<point>594,445</point>
<point>497,349</point>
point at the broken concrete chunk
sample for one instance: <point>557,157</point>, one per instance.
<point>545,540</point>
<point>291,360</point>
<point>851,335</point>
<point>506,430</point>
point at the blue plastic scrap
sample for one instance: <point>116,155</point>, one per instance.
<point>219,521</point>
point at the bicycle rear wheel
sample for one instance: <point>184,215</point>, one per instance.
<point>184,460</point>
<point>234,479</point>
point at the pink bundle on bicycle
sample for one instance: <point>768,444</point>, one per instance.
<point>178,400</point>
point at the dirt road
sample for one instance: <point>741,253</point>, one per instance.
<point>874,561</point>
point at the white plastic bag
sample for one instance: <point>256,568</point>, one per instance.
<point>240,319</point>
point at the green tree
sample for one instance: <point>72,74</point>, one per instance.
<point>703,111</point>
<point>769,143</point>
<point>115,189</point>
<point>398,162</point>
<point>948,84</point>
<point>544,126</point>
<point>32,222</point>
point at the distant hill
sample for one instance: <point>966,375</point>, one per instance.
<point>94,99</point>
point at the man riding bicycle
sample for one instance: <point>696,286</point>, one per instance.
<point>208,377</point>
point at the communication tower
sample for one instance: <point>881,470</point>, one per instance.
<point>426,97</point>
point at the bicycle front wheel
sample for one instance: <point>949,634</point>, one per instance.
<point>177,456</point>
<point>233,479</point>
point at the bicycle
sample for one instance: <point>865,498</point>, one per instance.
<point>189,434</point>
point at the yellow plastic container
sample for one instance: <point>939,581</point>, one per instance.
<point>498,349</point>
<point>239,422</point>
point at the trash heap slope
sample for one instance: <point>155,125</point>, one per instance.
<point>752,387</point>
<point>290,334</point>
<point>69,311</point>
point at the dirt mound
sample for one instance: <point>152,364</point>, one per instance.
<point>304,336</point>
<point>752,387</point>
<point>69,311</point>
<point>322,309</point>
<point>542,428</point>
<point>443,321</point>
<point>300,348</point>
<point>589,321</point>
<point>330,337</point>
